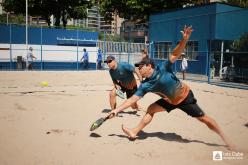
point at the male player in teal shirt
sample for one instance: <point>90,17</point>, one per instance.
<point>174,93</point>
<point>122,75</point>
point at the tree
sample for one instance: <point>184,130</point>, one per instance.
<point>240,49</point>
<point>241,45</point>
<point>61,9</point>
<point>19,19</point>
<point>241,3</point>
<point>66,9</point>
<point>139,9</point>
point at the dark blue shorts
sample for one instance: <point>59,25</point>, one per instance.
<point>129,92</point>
<point>188,105</point>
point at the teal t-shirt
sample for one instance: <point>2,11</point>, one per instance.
<point>123,75</point>
<point>164,83</point>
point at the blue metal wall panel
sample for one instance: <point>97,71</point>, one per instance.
<point>167,26</point>
<point>224,8</point>
<point>49,36</point>
<point>209,23</point>
<point>4,34</point>
<point>182,13</point>
<point>34,36</point>
<point>48,66</point>
<point>162,31</point>
<point>18,34</point>
<point>231,25</point>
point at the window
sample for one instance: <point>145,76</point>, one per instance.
<point>191,50</point>
<point>162,50</point>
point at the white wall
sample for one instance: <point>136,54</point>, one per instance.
<point>49,52</point>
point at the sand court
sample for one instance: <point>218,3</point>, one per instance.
<point>50,124</point>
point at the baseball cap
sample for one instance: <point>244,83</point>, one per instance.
<point>145,61</point>
<point>109,58</point>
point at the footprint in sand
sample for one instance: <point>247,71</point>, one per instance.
<point>60,131</point>
<point>20,107</point>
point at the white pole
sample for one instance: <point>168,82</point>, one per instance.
<point>7,18</point>
<point>232,65</point>
<point>221,58</point>
<point>26,26</point>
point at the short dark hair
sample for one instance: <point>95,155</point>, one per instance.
<point>145,61</point>
<point>109,58</point>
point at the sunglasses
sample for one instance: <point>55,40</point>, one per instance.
<point>109,61</point>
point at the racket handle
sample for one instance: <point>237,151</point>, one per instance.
<point>106,118</point>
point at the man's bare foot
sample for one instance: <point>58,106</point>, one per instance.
<point>231,147</point>
<point>129,133</point>
<point>139,109</point>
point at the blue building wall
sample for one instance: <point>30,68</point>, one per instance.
<point>212,21</point>
<point>167,26</point>
<point>216,21</point>
<point>194,65</point>
<point>230,26</point>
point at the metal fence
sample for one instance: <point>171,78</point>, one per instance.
<point>210,50</point>
<point>122,51</point>
<point>61,51</point>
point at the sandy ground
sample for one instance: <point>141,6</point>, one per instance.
<point>50,125</point>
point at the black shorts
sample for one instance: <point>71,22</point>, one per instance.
<point>188,105</point>
<point>129,92</point>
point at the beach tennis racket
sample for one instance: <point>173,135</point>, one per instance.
<point>99,122</point>
<point>121,94</point>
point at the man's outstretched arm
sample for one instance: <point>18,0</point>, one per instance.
<point>180,47</point>
<point>126,104</point>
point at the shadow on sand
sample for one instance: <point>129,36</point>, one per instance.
<point>95,135</point>
<point>165,136</point>
<point>119,114</point>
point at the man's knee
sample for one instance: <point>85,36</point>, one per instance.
<point>112,93</point>
<point>154,108</point>
<point>204,119</point>
<point>134,106</point>
<point>208,121</point>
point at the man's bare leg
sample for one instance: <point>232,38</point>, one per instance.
<point>183,72</point>
<point>211,123</point>
<point>112,99</point>
<point>152,109</point>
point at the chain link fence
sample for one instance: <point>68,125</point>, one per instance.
<point>210,52</point>
<point>60,51</point>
